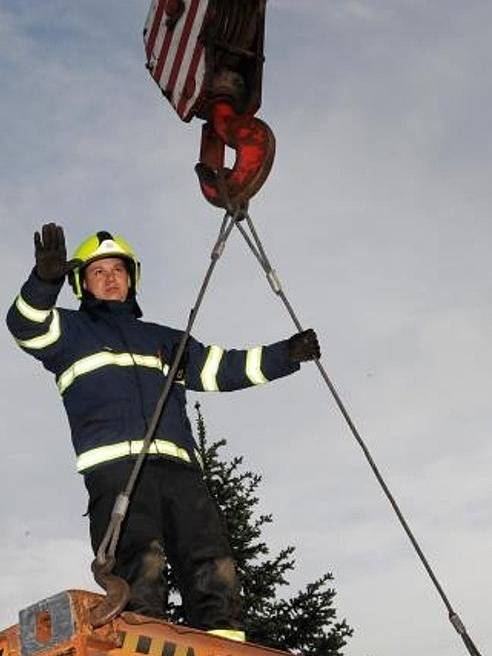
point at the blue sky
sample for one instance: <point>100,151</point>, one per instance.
<point>377,217</point>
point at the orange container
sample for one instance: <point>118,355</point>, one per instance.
<point>59,626</point>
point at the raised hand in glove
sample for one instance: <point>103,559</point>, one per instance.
<point>51,254</point>
<point>303,347</point>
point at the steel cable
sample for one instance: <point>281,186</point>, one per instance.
<point>107,547</point>
<point>233,217</point>
<point>258,251</point>
<point>117,589</point>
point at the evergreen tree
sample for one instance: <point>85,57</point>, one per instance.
<point>304,624</point>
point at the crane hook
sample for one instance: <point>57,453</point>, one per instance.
<point>254,144</point>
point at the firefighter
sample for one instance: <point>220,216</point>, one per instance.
<point>110,367</point>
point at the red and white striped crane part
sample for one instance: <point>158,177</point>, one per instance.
<point>175,56</point>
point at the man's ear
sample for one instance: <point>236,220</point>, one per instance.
<point>84,284</point>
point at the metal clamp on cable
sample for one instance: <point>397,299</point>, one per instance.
<point>218,249</point>
<point>274,281</point>
<point>455,620</point>
<point>120,506</point>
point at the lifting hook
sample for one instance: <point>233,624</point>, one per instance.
<point>254,144</point>
<point>117,593</point>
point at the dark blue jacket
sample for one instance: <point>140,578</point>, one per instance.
<point>110,368</point>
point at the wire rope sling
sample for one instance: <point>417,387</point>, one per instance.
<point>206,56</point>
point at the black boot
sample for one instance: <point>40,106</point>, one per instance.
<point>213,601</point>
<point>149,593</point>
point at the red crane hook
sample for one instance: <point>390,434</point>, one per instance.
<point>254,144</point>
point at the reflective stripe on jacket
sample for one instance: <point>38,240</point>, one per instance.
<point>110,368</point>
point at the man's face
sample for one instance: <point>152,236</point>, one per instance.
<point>107,279</point>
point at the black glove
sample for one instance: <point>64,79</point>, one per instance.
<point>51,254</point>
<point>303,347</point>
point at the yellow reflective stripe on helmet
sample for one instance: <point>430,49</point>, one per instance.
<point>230,634</point>
<point>129,448</point>
<point>210,369</point>
<point>253,366</point>
<point>47,339</point>
<point>30,312</point>
<point>104,359</point>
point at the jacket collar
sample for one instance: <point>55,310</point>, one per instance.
<point>96,306</point>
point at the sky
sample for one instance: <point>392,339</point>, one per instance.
<point>376,216</point>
